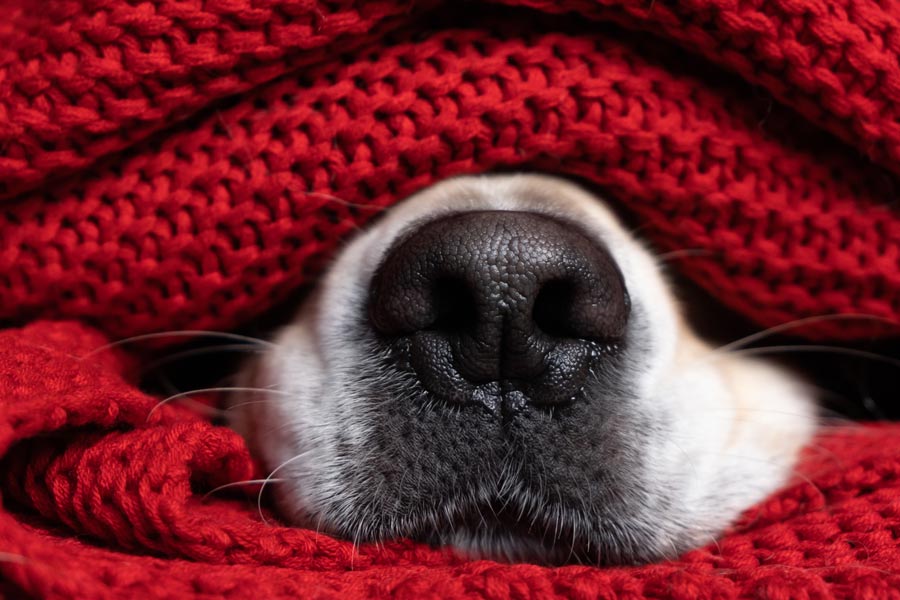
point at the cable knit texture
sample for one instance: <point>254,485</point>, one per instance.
<point>172,164</point>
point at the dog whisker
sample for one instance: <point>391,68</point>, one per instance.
<point>685,253</point>
<point>797,323</point>
<point>214,390</point>
<point>687,457</point>
<point>199,407</point>
<point>820,348</point>
<point>269,479</point>
<point>238,484</point>
<point>343,202</point>
<point>248,403</point>
<point>176,356</point>
<point>180,333</point>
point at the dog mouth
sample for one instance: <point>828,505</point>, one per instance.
<point>495,393</point>
<point>522,515</point>
<point>552,484</point>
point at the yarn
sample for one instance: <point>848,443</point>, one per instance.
<point>188,164</point>
<point>105,497</point>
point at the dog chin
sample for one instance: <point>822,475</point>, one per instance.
<point>663,443</point>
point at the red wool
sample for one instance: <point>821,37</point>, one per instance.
<point>187,164</point>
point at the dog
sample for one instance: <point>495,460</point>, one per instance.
<point>497,365</point>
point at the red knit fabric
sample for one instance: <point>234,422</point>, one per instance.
<point>104,499</point>
<point>186,164</point>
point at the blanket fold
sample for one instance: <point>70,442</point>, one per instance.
<point>217,220</point>
<point>187,164</point>
<point>105,495</point>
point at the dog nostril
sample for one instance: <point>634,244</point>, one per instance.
<point>454,305</point>
<point>553,310</point>
<point>497,304</point>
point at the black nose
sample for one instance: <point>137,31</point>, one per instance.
<point>499,307</point>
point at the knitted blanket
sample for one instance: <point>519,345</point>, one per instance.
<point>187,164</point>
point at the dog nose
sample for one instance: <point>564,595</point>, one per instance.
<point>502,308</point>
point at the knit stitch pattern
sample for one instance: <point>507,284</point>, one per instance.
<point>188,164</point>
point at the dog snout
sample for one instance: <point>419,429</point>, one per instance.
<point>502,308</point>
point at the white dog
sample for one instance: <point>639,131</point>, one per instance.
<point>497,365</point>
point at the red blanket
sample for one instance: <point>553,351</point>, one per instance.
<point>178,164</point>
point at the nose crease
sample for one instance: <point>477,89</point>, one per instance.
<point>500,297</point>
